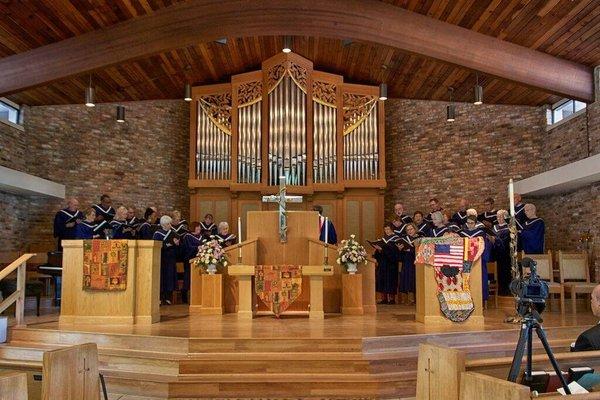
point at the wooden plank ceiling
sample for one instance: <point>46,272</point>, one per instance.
<point>563,28</point>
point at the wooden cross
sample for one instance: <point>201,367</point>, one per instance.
<point>282,199</point>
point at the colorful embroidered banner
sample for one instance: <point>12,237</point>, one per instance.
<point>452,258</point>
<point>105,264</point>
<point>278,285</point>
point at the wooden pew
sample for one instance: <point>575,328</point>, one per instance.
<point>13,385</point>
<point>440,369</point>
<point>71,373</point>
<point>475,386</point>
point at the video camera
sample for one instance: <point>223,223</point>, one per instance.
<point>530,291</point>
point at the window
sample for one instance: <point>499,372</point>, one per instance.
<point>9,111</point>
<point>564,109</point>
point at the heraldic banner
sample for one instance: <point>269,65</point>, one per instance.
<point>278,285</point>
<point>452,259</point>
<point>105,264</point>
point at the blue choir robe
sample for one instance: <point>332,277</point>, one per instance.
<point>107,214</point>
<point>439,232</point>
<point>485,257</point>
<point>226,240</point>
<point>189,248</point>
<point>452,227</point>
<point>134,222</point>
<point>489,216</point>
<point>103,229</point>
<point>387,265</point>
<point>532,236</point>
<point>332,235</point>
<point>146,231</point>
<point>459,218</point>
<point>61,219</point>
<point>399,230</point>
<point>408,274</point>
<point>501,251</point>
<point>206,230</point>
<point>181,227</point>
<point>424,229</point>
<point>520,216</point>
<point>85,230</point>
<point>121,230</point>
<point>168,260</point>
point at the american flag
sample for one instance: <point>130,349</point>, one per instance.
<point>448,255</point>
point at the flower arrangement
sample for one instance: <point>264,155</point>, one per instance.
<point>210,254</point>
<point>351,253</point>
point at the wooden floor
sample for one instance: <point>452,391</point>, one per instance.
<point>390,320</point>
<point>183,356</point>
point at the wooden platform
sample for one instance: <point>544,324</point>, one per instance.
<point>222,356</point>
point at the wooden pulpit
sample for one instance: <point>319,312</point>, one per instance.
<point>137,304</point>
<point>428,305</point>
<point>321,287</point>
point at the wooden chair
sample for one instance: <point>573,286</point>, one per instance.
<point>546,272</point>
<point>492,268</point>
<point>575,275</point>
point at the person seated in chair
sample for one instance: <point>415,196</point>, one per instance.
<point>590,339</point>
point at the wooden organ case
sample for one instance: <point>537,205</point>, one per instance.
<point>324,135</point>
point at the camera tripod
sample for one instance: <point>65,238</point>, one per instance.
<point>530,322</point>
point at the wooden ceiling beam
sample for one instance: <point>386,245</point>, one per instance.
<point>195,22</point>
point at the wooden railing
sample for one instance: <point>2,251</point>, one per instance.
<point>18,297</point>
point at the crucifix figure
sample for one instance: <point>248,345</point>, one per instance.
<point>282,199</point>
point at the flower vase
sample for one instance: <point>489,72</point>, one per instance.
<point>351,268</point>
<point>211,269</point>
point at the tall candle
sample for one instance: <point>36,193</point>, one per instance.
<point>511,197</point>
<point>326,239</point>
<point>240,238</point>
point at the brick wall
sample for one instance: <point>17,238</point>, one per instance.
<point>139,163</point>
<point>472,157</point>
<point>569,215</point>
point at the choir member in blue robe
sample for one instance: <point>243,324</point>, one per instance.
<point>104,210</point>
<point>132,220</point>
<point>180,225</point>
<point>423,227</point>
<point>65,221</point>
<point>119,226</point>
<point>520,216</point>
<point>208,227</point>
<point>398,227</point>
<point>452,227</point>
<point>331,234</point>
<point>86,228</point>
<point>147,228</point>
<point>190,241</point>
<point>387,255</point>
<point>438,229</point>
<point>501,252</point>
<point>168,258</point>
<point>225,238</point>
<point>408,274</point>
<point>434,205</point>
<point>399,212</point>
<point>472,231</point>
<point>488,217</point>
<point>532,234</point>
<point>460,217</point>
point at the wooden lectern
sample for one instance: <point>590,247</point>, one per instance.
<point>428,305</point>
<point>137,304</point>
